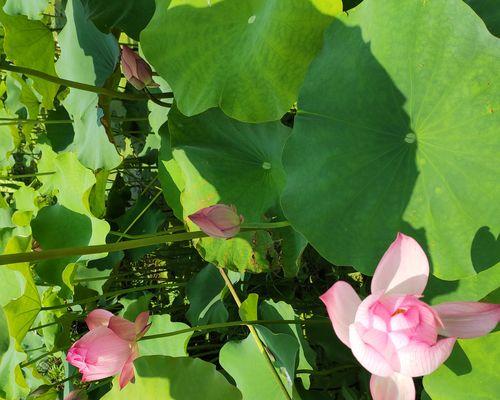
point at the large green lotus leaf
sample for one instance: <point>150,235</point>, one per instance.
<point>471,372</point>
<point>247,365</point>
<point>33,9</point>
<point>402,129</point>
<point>21,312</point>
<point>130,16</point>
<point>180,378</point>
<point>30,44</point>
<point>489,11</point>
<point>173,346</point>
<point>88,56</point>
<point>227,161</point>
<point>247,57</point>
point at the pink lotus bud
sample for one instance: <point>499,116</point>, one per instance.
<point>393,333</point>
<point>109,348</point>
<point>136,70</point>
<point>219,221</point>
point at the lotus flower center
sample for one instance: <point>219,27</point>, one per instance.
<point>399,311</point>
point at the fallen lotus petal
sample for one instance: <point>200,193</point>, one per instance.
<point>219,221</point>
<point>109,348</point>
<point>394,334</point>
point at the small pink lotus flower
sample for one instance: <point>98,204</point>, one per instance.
<point>395,335</point>
<point>136,70</point>
<point>109,348</point>
<point>219,221</point>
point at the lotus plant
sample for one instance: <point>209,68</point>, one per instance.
<point>109,348</point>
<point>392,332</point>
<point>219,221</point>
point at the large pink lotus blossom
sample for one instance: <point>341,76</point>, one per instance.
<point>136,70</point>
<point>219,221</point>
<point>393,333</point>
<point>109,348</point>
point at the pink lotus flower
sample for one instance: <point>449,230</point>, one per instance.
<point>219,221</point>
<point>395,335</point>
<point>136,70</point>
<point>109,348</point>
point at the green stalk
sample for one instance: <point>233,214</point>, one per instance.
<point>325,372</point>
<point>112,247</point>
<point>146,208</point>
<point>221,325</point>
<point>260,345</point>
<point>265,225</point>
<point>104,248</point>
<point>41,357</point>
<point>78,85</point>
<point>27,175</point>
<point>109,294</point>
<point>208,327</point>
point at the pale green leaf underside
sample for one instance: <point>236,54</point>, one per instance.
<point>88,56</point>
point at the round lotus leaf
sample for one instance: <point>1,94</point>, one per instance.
<point>247,57</point>
<point>226,161</point>
<point>397,130</point>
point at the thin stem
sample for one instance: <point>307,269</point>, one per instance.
<point>109,294</point>
<point>256,337</point>
<point>97,249</point>
<point>155,100</point>
<point>41,357</point>
<point>15,121</point>
<point>133,274</point>
<point>266,225</point>
<point>151,202</point>
<point>326,371</point>
<point>222,325</point>
<point>78,85</point>
<point>43,326</point>
<point>27,175</point>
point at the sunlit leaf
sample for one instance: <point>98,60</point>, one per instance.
<point>247,57</point>
<point>406,140</point>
